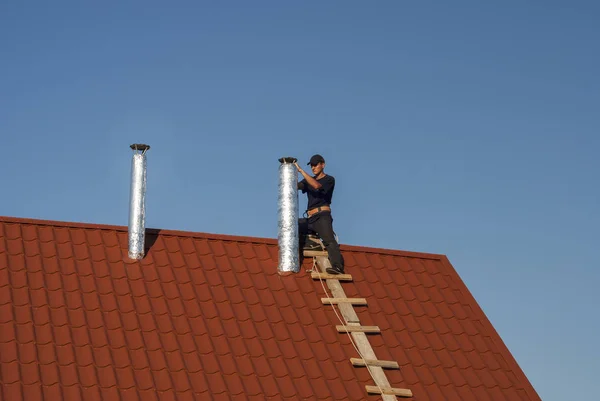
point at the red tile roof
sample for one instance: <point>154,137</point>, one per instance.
<point>208,317</point>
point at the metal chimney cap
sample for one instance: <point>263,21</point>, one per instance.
<point>139,146</point>
<point>288,160</point>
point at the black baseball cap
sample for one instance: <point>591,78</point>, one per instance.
<point>316,159</point>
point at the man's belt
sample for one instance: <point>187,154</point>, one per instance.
<point>316,210</point>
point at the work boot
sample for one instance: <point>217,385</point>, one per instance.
<point>313,244</point>
<point>334,270</point>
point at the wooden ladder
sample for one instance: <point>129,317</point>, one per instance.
<point>357,331</point>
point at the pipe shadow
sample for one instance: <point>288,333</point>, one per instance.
<point>151,237</point>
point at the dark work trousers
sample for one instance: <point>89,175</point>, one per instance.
<point>321,224</point>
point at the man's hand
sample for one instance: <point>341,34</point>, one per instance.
<point>311,181</point>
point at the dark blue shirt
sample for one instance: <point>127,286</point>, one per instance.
<point>321,196</point>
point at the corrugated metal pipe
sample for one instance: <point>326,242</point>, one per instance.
<point>137,202</point>
<point>287,236</point>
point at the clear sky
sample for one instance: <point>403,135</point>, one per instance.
<point>458,128</point>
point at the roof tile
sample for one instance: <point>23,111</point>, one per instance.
<point>430,358</point>
<point>9,352</point>
<point>274,252</point>
<point>426,324</point>
<point>303,388</point>
<point>102,356</point>
<point>51,392</point>
<point>5,280</point>
<point>5,295</point>
<point>32,391</point>
<point>457,376</point>
<point>465,342</point>
<point>190,360</point>
<point>441,377</point>
<point>479,342</point>
<point>216,383</point>
<point>62,335</point>
<point>186,343</point>
<point>269,386</point>
<point>252,385</point>
<point>149,339</point>
<point>321,388</point>
<point>425,376</point>
<point>482,394</point>
<point>187,291</point>
<point>10,372</point>
<point>87,376</point>
<point>159,305</point>
<point>181,325</point>
<point>255,266</point>
<point>271,348</point>
<point>65,354</point>
<point>254,345</point>
<point>180,381</point>
<point>120,359</point>
<point>165,275</point>
<point>487,378</point>
<point>45,352</point>
<point>503,380</point>
<point>23,318</point>
<point>204,344</point>
<point>261,251</point>
<point>68,375</point>
<point>445,358</point>
<point>144,379</point>
<point>49,374</point>
<point>187,246</point>
<point>458,311</point>
<point>202,247</point>
<point>91,393</point>
<point>14,246</point>
<point>18,278</point>
<point>160,256</point>
<point>139,358</point>
<point>12,391</point>
<point>465,392</point>
<point>287,388</point>
<point>111,393</point>
<point>84,355</point>
<point>263,328</point>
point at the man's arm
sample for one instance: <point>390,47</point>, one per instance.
<point>311,181</point>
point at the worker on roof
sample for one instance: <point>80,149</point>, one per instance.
<point>319,189</point>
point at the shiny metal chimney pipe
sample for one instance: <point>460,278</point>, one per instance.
<point>137,202</point>
<point>287,236</point>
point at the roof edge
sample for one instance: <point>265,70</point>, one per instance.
<point>222,237</point>
<point>527,386</point>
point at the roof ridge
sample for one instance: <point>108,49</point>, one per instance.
<point>211,236</point>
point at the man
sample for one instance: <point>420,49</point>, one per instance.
<point>319,189</point>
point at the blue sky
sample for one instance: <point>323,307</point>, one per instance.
<point>464,129</point>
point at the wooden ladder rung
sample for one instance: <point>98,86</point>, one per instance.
<point>375,362</point>
<point>401,392</point>
<point>362,329</point>
<point>352,301</point>
<point>327,276</point>
<point>315,253</point>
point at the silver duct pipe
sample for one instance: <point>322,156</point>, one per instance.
<point>287,236</point>
<point>137,202</point>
